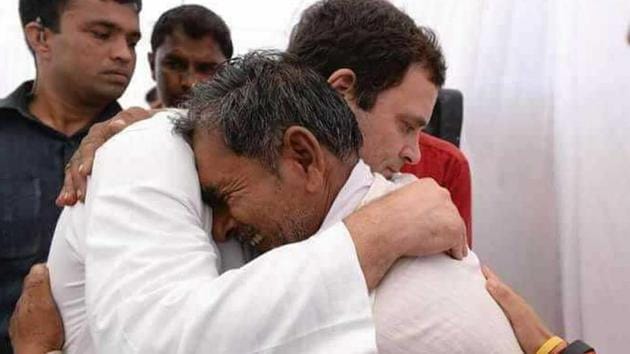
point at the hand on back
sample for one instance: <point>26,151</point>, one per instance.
<point>80,165</point>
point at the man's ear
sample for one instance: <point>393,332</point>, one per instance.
<point>37,37</point>
<point>343,81</point>
<point>305,156</point>
<point>151,59</point>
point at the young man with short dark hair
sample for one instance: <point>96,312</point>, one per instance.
<point>389,70</point>
<point>84,54</point>
<point>188,43</point>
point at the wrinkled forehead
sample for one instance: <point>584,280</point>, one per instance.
<point>209,140</point>
<point>212,156</point>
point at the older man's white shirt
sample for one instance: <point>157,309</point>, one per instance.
<point>430,304</point>
<point>139,251</point>
<point>153,281</point>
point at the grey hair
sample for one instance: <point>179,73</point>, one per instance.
<point>253,99</point>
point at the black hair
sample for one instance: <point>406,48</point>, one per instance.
<point>194,21</point>
<point>253,99</point>
<point>49,11</point>
<point>371,37</point>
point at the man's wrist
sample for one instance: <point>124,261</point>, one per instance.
<point>36,350</point>
<point>559,348</point>
<point>552,345</point>
<point>376,251</point>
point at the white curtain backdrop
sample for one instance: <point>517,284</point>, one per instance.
<point>499,55</point>
<point>546,120</point>
<point>546,86</point>
<point>592,164</point>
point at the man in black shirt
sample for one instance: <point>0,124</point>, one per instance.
<point>84,54</point>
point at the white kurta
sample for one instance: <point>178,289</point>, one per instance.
<point>431,304</point>
<point>134,271</point>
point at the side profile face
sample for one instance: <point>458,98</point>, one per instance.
<point>93,55</point>
<point>252,203</point>
<point>391,128</point>
<point>180,62</point>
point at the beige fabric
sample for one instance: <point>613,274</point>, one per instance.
<point>437,304</point>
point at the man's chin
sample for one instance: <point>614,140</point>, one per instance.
<point>388,173</point>
<point>267,243</point>
<point>263,245</point>
<point>106,92</point>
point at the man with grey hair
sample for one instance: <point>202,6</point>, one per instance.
<point>277,152</point>
<point>133,269</point>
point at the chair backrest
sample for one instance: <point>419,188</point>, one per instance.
<point>448,116</point>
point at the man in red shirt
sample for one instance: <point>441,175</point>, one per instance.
<point>389,71</point>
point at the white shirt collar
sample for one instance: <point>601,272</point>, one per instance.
<point>350,195</point>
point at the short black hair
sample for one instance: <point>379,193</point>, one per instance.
<point>371,37</point>
<point>253,99</point>
<point>196,22</point>
<point>49,11</point>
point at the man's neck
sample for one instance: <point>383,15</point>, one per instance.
<point>57,109</point>
<point>341,175</point>
<point>338,178</point>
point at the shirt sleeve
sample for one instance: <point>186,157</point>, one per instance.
<point>458,182</point>
<point>152,279</point>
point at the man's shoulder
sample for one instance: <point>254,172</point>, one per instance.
<point>162,121</point>
<point>433,146</point>
<point>149,133</point>
<point>149,145</point>
<point>14,104</point>
<point>5,102</point>
<point>397,181</point>
<point>13,98</point>
<point>382,186</point>
<point>450,289</point>
<point>441,161</point>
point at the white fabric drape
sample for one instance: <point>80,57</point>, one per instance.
<point>547,105</point>
<point>592,164</point>
<point>546,116</point>
<point>499,56</point>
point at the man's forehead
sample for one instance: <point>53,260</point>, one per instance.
<point>218,164</point>
<point>101,11</point>
<point>209,146</point>
<point>208,151</point>
<point>204,48</point>
<point>74,4</point>
<point>414,118</point>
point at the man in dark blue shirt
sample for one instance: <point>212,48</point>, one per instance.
<point>84,55</point>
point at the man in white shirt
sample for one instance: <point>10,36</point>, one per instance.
<point>139,251</point>
<point>78,337</point>
<point>277,157</point>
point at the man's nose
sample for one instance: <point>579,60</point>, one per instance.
<point>222,224</point>
<point>410,152</point>
<point>190,78</point>
<point>122,51</point>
